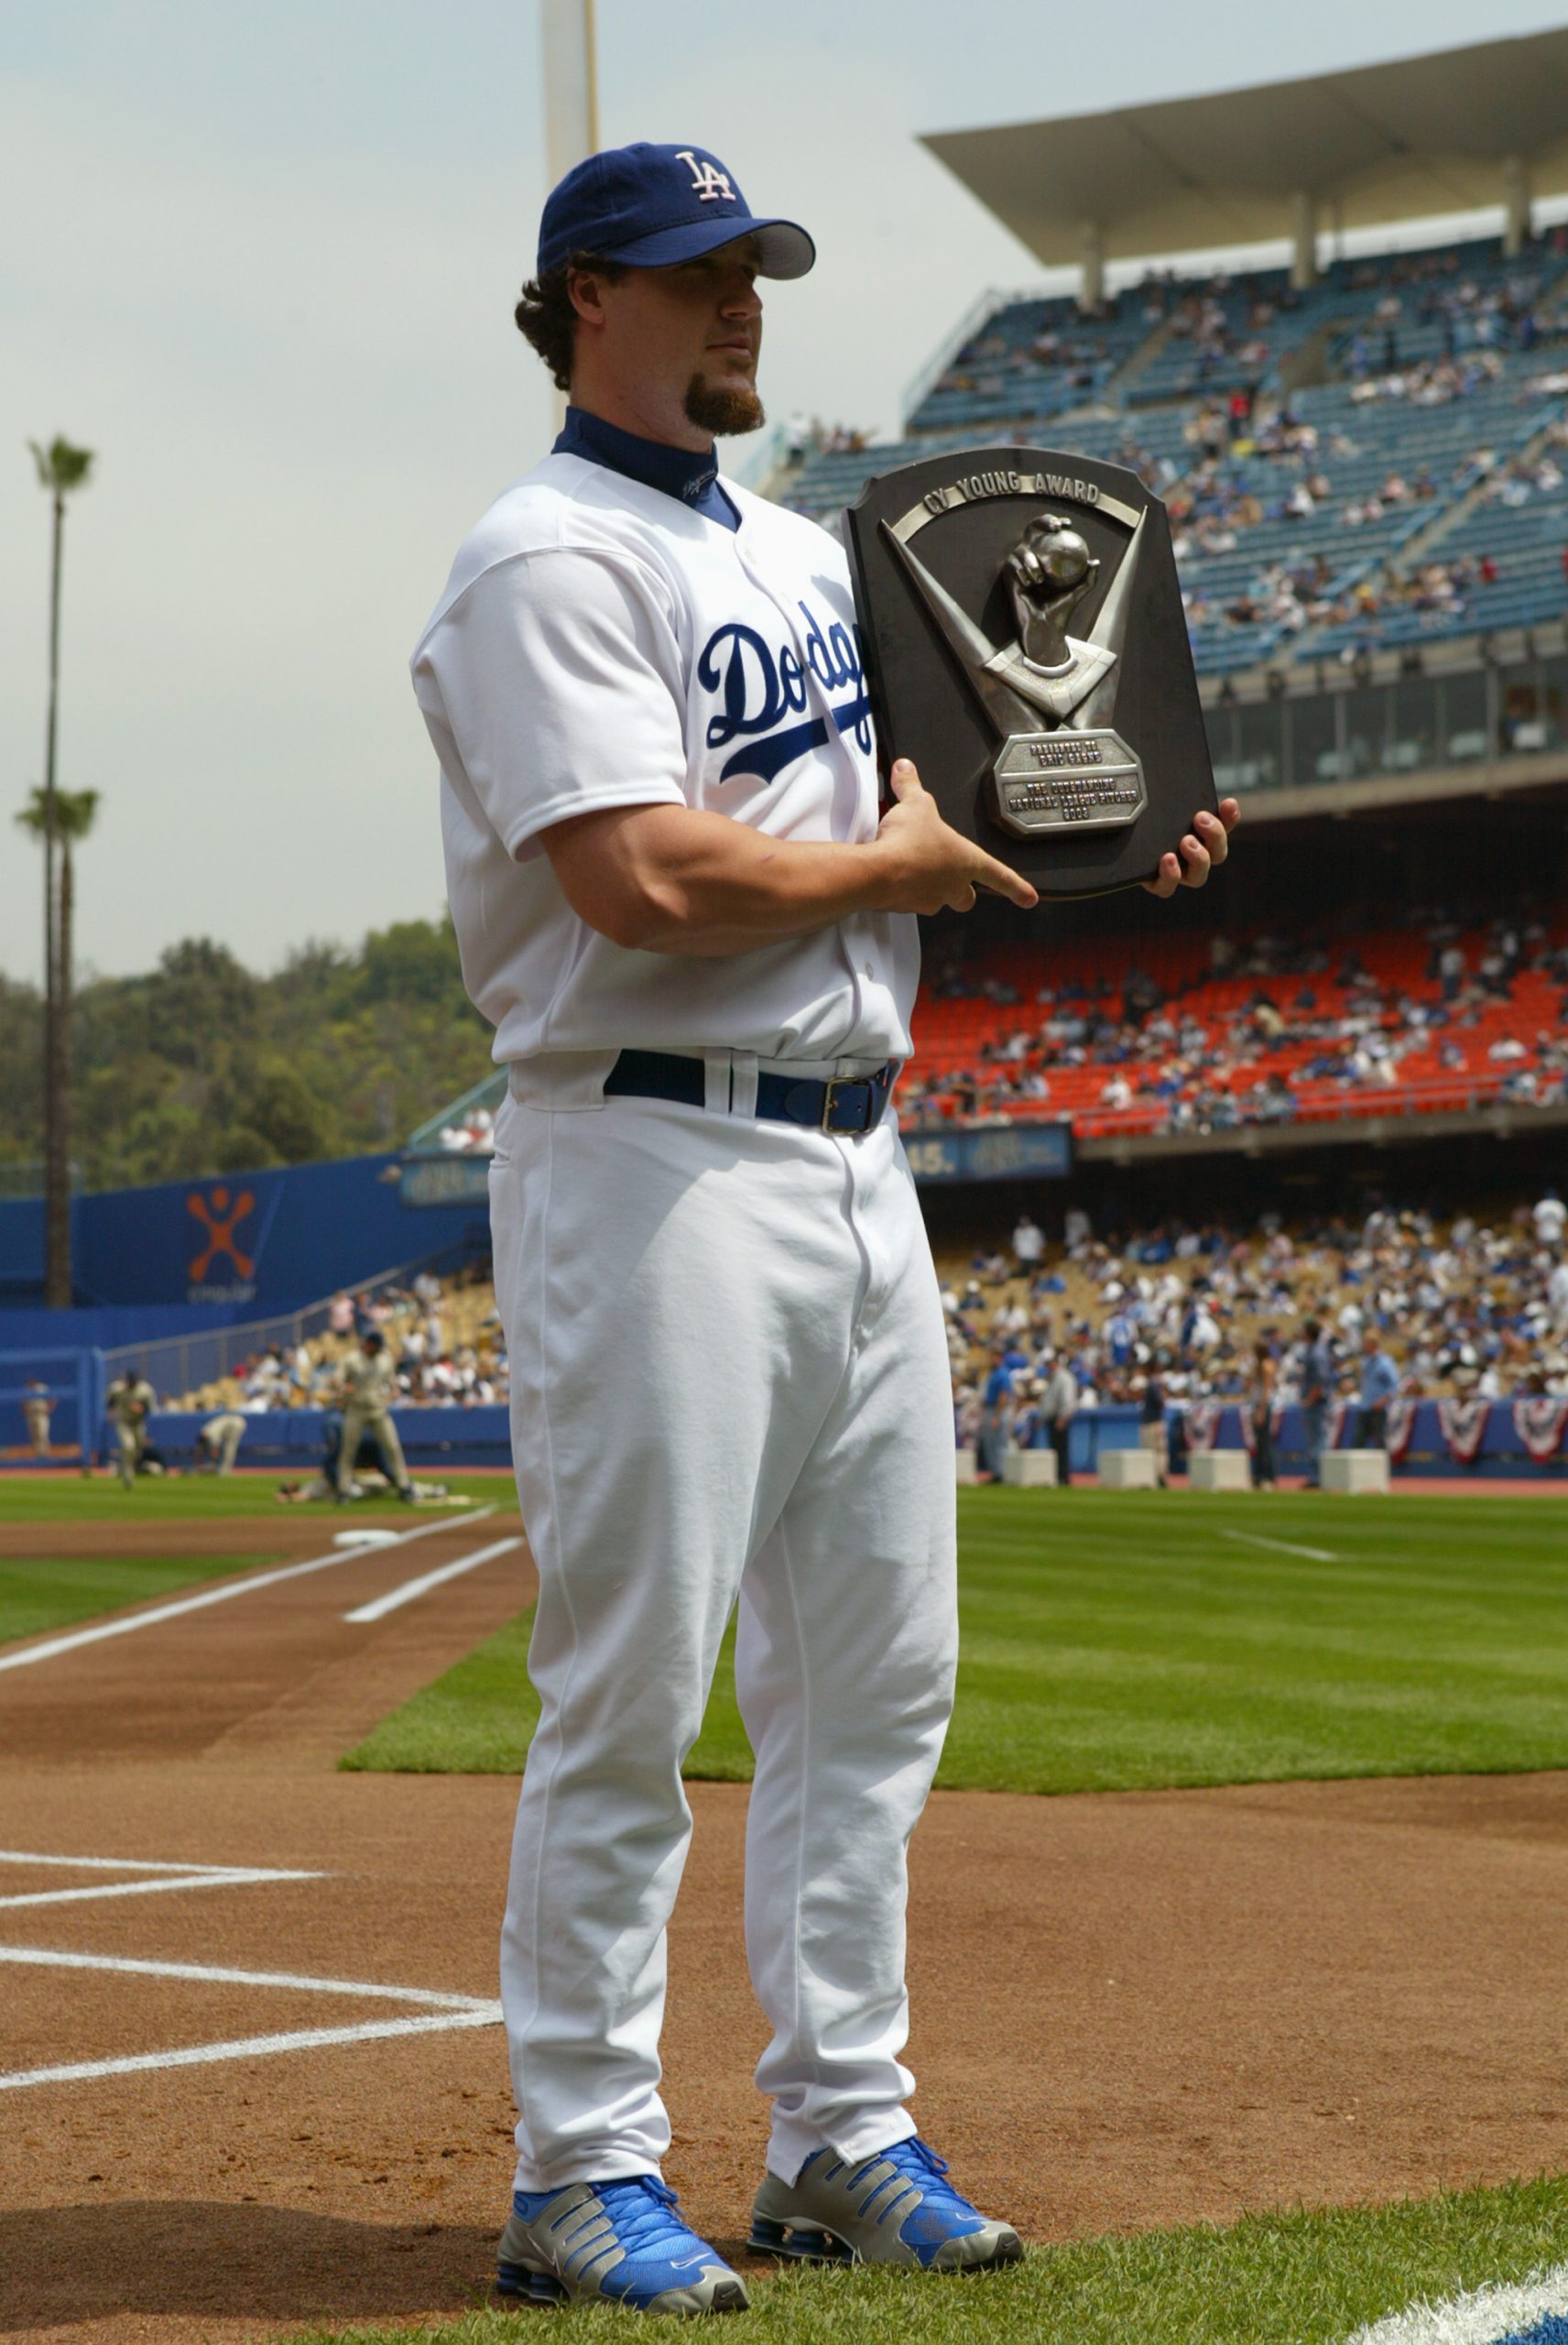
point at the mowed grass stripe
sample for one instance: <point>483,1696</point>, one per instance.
<point>1120,1643</point>
<point>1293,2279</point>
<point>56,1592</point>
<point>188,1498</point>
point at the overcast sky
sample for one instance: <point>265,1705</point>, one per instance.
<point>262,259</point>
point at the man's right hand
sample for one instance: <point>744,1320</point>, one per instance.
<point>932,867</point>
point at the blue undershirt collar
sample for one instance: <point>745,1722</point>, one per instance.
<point>693,480</point>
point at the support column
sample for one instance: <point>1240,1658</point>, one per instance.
<point>1517,221</point>
<point>1304,236</point>
<point>1091,259</point>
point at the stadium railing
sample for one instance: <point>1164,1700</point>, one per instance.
<point>185,1363</point>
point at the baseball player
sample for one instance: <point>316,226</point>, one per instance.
<point>676,903</point>
<point>38,1407</point>
<point>367,1386</point>
<point>219,1441</point>
<point>129,1402</point>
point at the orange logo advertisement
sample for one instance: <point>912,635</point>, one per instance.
<point>220,1221</point>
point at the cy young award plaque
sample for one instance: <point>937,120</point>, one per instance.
<point>1026,646</point>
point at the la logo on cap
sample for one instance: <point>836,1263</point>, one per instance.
<point>706,178</point>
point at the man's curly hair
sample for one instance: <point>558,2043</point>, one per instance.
<point>545,315</point>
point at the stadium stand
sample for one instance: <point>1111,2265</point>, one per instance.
<point>1213,1037</point>
<point>1465,1310</point>
<point>1465,1305</point>
<point>1411,491</point>
<point>443,1333</point>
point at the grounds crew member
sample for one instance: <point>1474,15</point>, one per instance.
<point>677,901</point>
<point>220,1437</point>
<point>130,1400</point>
<point>368,1388</point>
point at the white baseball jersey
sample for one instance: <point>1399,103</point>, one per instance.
<point>599,644</point>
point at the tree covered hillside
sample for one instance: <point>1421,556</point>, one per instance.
<point>201,1067</point>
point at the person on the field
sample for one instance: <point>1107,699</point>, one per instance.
<point>1006,1360</point>
<point>1151,1434</point>
<point>218,1440</point>
<point>1260,1404</point>
<point>368,1386</point>
<point>1058,1405</point>
<point>1318,1378</point>
<point>37,1404</point>
<point>129,1404</point>
<point>1379,1383</point>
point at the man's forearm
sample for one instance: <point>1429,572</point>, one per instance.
<point>699,885</point>
<point>705,911</point>
<point>664,878</point>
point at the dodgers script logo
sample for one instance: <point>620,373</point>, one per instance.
<point>761,688</point>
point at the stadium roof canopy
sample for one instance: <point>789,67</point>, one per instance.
<point>1458,131</point>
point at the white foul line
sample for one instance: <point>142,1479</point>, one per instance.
<point>1478,2318</point>
<point>126,1864</point>
<point>254,2048</point>
<point>169,1877</point>
<point>125,1624</point>
<point>155,1888</point>
<point>209,1974</point>
<point>439,2010</point>
<point>1282,1546</point>
<point>379,1606</point>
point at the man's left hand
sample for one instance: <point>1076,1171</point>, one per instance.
<point>1204,849</point>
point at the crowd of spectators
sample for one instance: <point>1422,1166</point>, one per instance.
<point>1472,314</point>
<point>1307,1017</point>
<point>444,1338</point>
<point>808,435</point>
<point>992,362</point>
<point>1221,333</point>
<point>1419,331</point>
<point>470,1134</point>
<point>1184,1313</point>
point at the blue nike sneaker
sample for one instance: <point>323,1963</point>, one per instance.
<point>893,2207</point>
<point>622,2240</point>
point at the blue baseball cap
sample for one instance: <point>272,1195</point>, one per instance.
<point>650,206</point>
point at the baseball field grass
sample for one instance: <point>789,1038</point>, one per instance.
<point>1120,1643</point>
<point>38,1593</point>
<point>188,1498</point>
<point>1305,2278</point>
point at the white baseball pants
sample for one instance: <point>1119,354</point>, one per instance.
<point>729,1377</point>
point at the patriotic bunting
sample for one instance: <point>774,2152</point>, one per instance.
<point>1203,1423</point>
<point>1538,1423</point>
<point>1463,1424</point>
<point>1401,1423</point>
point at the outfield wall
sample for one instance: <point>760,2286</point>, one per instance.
<point>237,1247</point>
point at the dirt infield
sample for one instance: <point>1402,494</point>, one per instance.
<point>287,1532</point>
<point>1130,2009</point>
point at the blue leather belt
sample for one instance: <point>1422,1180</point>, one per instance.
<point>844,1104</point>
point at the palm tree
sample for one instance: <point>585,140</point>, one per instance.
<point>75,811</point>
<point>61,469</point>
